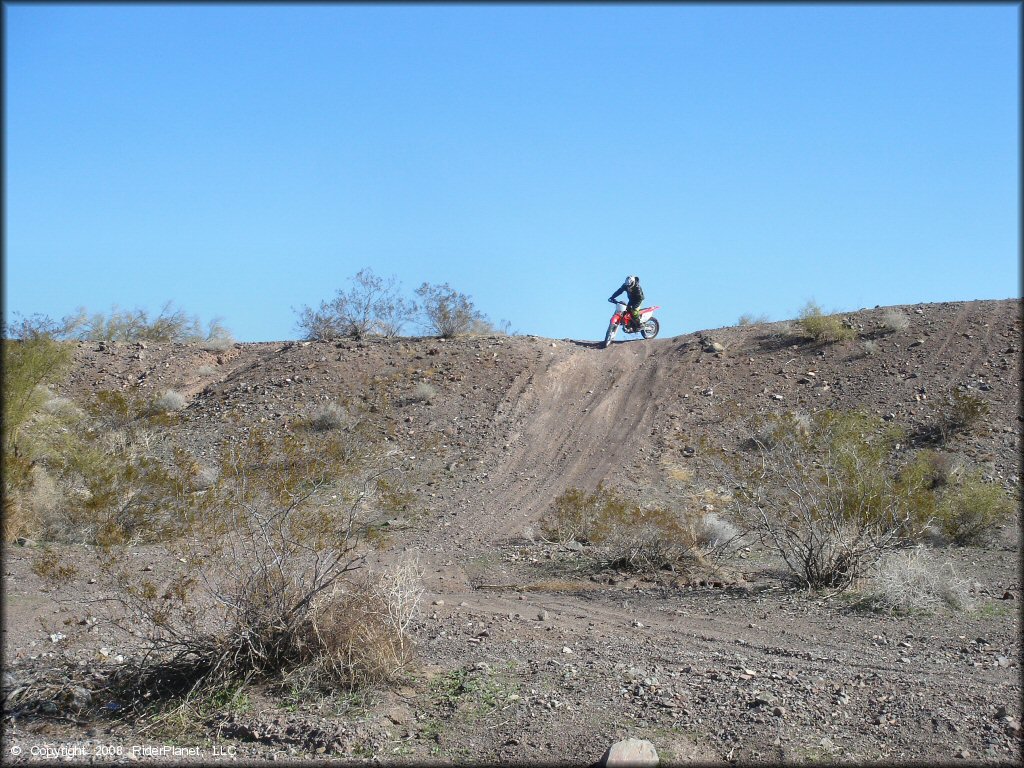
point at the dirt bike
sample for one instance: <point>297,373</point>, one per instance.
<point>646,327</point>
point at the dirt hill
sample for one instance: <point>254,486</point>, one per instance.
<point>490,430</point>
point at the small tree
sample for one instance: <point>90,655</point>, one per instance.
<point>448,313</point>
<point>372,305</point>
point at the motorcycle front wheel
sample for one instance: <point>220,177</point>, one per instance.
<point>610,336</point>
<point>650,329</point>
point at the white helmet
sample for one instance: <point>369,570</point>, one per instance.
<point>632,280</point>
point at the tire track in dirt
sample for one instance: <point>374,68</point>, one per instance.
<point>564,422</point>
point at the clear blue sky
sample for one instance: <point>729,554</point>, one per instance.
<point>246,160</point>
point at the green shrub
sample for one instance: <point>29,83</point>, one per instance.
<point>957,413</point>
<point>625,535</point>
<point>826,329</point>
<point>971,510</point>
<point>32,359</point>
<point>823,496</point>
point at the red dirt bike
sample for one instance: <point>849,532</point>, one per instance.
<point>647,325</point>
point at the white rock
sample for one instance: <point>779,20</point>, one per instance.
<point>631,752</point>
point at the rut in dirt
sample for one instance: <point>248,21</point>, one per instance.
<point>568,422</point>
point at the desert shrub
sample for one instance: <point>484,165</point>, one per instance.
<point>170,324</point>
<point>914,581</point>
<point>423,392</point>
<point>167,401</point>
<point>625,535</point>
<point>361,636</point>
<point>218,337</point>
<point>716,534</point>
<point>328,416</point>
<point>870,347</point>
<point>965,413</point>
<point>749,319</point>
<point>826,500</point>
<point>265,575</point>
<point>110,475</point>
<point>893,320</point>
<point>826,329</point>
<point>448,313</point>
<point>970,510</point>
<point>372,306</point>
<point>32,360</point>
<point>206,370</point>
<point>957,413</point>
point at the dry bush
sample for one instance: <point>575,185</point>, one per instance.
<point>206,370</point>
<point>371,306</point>
<point>327,417</point>
<point>914,581</point>
<point>168,401</point>
<point>362,633</point>
<point>218,338</point>
<point>826,329</point>
<point>624,535</point>
<point>870,347</point>
<point>715,534</point>
<point>423,393</point>
<point>448,313</point>
<point>749,319</point>
<point>893,321</point>
<point>263,575</point>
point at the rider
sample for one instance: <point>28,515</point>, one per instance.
<point>635,294</point>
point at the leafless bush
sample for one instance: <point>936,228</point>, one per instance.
<point>449,313</point>
<point>168,401</point>
<point>893,320</point>
<point>327,417</point>
<point>371,306</point>
<point>750,319</point>
<point>914,581</point>
<point>423,393</point>
<point>870,347</point>
<point>206,370</point>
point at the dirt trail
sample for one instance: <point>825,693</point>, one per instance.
<point>563,427</point>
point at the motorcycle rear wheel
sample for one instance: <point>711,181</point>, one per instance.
<point>650,328</point>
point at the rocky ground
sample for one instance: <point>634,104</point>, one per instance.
<point>525,652</point>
